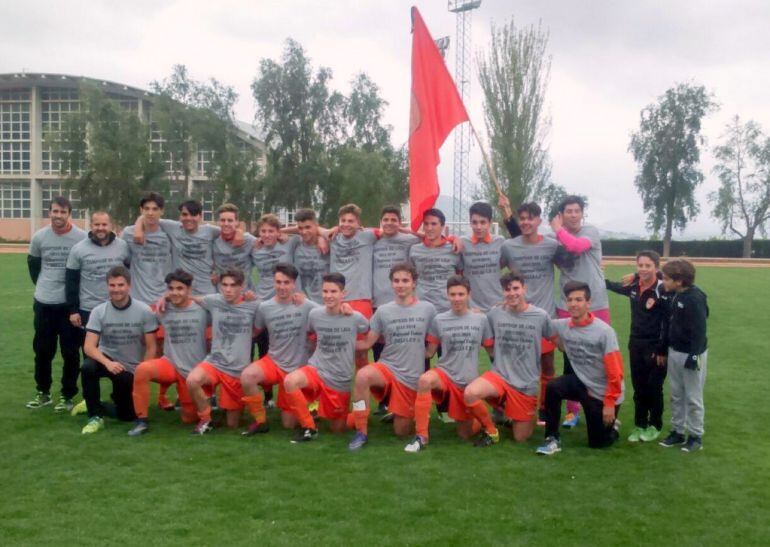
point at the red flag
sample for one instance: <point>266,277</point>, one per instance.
<point>436,109</point>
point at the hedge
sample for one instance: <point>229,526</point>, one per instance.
<point>696,248</point>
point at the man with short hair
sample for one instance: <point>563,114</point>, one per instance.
<point>403,324</point>
<point>330,370</point>
<point>87,265</point>
<point>597,380</point>
<point>119,335</point>
<point>461,332</point>
<point>184,346</point>
<point>286,324</point>
<point>48,251</point>
<point>269,252</point>
<point>227,255</point>
<point>518,328</point>
<point>482,257</point>
<point>311,256</point>
<point>232,324</point>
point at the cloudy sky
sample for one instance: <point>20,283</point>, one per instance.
<point>610,59</point>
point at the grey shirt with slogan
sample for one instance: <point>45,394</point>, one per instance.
<point>232,326</point>
<point>335,348</point>
<point>193,252</point>
<point>286,326</point>
<point>150,262</point>
<point>94,261</point>
<point>586,346</point>
<point>352,257</point>
<point>585,267</point>
<point>404,329</point>
<point>184,343</point>
<point>481,265</point>
<point>518,337</point>
<point>434,266</point>
<point>265,258</point>
<point>535,263</point>
<point>121,331</point>
<point>53,250</point>
<point>388,251</point>
<point>228,256</point>
<point>460,337</point>
<point>312,265</point>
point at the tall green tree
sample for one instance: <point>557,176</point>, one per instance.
<point>514,75</point>
<point>113,166</point>
<point>667,150</point>
<point>742,203</point>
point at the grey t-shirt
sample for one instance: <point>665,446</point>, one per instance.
<point>518,337</point>
<point>434,266</point>
<point>387,252</point>
<point>265,258</point>
<point>193,253</point>
<point>232,326</point>
<point>585,267</point>
<point>535,263</point>
<point>335,346</point>
<point>184,343</point>
<point>481,265</point>
<point>227,256</point>
<point>460,338</point>
<point>121,331</point>
<point>312,266</point>
<point>94,261</point>
<point>286,326</point>
<point>53,250</point>
<point>586,347</point>
<point>352,257</point>
<point>150,263</point>
<point>404,329</point>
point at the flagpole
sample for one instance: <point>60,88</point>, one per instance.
<point>487,161</point>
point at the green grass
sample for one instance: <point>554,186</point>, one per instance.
<point>169,488</point>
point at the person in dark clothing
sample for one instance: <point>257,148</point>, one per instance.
<point>683,346</point>
<point>648,301</point>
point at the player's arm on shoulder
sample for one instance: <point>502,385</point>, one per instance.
<point>368,341</point>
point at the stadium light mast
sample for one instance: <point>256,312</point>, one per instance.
<point>462,9</point>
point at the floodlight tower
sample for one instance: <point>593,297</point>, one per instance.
<point>462,9</point>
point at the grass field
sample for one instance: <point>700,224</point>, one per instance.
<point>172,489</point>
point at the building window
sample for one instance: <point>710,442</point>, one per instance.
<point>56,106</point>
<point>158,148</point>
<point>54,189</point>
<point>14,132</point>
<point>204,159</point>
<point>286,216</point>
<point>14,200</point>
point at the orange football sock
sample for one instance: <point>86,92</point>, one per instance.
<point>256,407</point>
<point>299,408</point>
<point>475,426</point>
<point>141,392</point>
<point>544,379</point>
<point>350,421</point>
<point>205,414</point>
<point>361,418</point>
<point>163,401</point>
<point>480,412</point>
<point>422,413</point>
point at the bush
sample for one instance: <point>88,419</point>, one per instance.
<point>716,248</point>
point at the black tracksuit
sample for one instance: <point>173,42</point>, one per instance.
<point>684,324</point>
<point>648,309</point>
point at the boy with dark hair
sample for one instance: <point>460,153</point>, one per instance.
<point>227,255</point>
<point>647,297</point>
<point>683,336</point>
<point>311,257</point>
<point>482,258</point>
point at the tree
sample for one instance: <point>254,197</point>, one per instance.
<point>743,166</point>
<point>514,76</point>
<point>667,149</point>
<point>114,167</point>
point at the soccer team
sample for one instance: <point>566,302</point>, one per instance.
<point>175,303</point>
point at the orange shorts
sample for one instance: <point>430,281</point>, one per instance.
<point>546,346</point>
<point>518,406</point>
<point>163,372</point>
<point>231,393</point>
<point>400,397</point>
<point>453,395</point>
<point>364,307</point>
<point>332,404</point>
<point>273,375</point>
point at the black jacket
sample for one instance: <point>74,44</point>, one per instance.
<point>647,309</point>
<point>684,326</point>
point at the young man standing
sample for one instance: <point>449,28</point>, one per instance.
<point>119,335</point>
<point>532,255</point>
<point>684,347</point>
<point>648,306</point>
<point>597,380</point>
<point>311,257</point>
<point>286,324</point>
<point>232,325</point>
<point>518,329</point>
<point>390,249</point>
<point>461,332</point>
<point>269,252</point>
<point>87,266</point>
<point>403,324</point>
<point>330,369</point>
<point>184,346</point>
<point>482,258</point>
<point>226,254</point>
<point>47,259</point>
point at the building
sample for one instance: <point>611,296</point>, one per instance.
<point>32,111</point>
